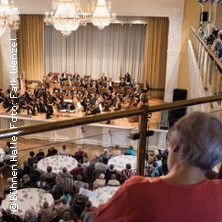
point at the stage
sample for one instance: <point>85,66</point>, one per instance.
<point>106,135</point>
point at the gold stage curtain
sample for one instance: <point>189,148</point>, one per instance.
<point>156,55</point>
<point>31,46</point>
<point>1,70</point>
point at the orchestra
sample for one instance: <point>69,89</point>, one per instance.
<point>63,92</point>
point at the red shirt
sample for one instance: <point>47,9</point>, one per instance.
<point>145,199</point>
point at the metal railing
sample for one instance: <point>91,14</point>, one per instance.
<point>142,112</point>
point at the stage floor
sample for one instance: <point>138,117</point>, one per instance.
<point>153,121</point>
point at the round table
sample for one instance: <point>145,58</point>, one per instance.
<point>102,195</point>
<point>120,162</point>
<point>27,198</point>
<point>57,162</point>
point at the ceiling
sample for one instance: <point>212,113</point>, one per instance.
<point>120,7</point>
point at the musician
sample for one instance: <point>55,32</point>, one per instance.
<point>25,104</point>
<point>83,84</point>
<point>103,77</point>
<point>122,83</point>
<point>62,78</point>
<point>145,87</point>
<point>7,103</point>
<point>132,83</point>
<point>127,78</point>
<point>93,99</point>
<point>42,107</point>
<point>1,96</point>
<point>49,111</point>
<point>76,76</point>
<point>109,85</point>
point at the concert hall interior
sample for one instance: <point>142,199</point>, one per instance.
<point>52,70</point>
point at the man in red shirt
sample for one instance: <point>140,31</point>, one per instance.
<point>184,194</point>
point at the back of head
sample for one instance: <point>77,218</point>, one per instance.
<point>102,176</point>
<point>64,170</point>
<point>128,166</point>
<point>45,204</point>
<point>198,136</point>
<point>113,176</point>
<point>49,169</point>
<point>79,177</point>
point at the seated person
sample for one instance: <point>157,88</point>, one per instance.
<point>26,183</point>
<point>52,151</point>
<point>105,156</point>
<point>40,155</point>
<point>77,170</point>
<point>78,183</point>
<point>61,206</point>
<point>64,151</point>
<point>79,152</point>
<point>32,159</point>
<point>113,181</point>
<point>101,182</point>
<point>30,215</point>
<point>130,151</point>
<point>46,212</point>
<point>58,189</point>
<point>116,152</point>
<point>127,172</point>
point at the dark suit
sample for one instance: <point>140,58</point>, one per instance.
<point>127,77</point>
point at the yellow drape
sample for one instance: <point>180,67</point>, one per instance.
<point>31,46</point>
<point>1,71</point>
<point>156,55</point>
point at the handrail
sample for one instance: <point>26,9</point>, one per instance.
<point>211,53</point>
<point>26,130</point>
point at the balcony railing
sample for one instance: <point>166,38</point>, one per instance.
<point>210,67</point>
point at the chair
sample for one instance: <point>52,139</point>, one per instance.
<point>64,109</point>
<point>77,210</point>
<point>79,158</point>
<point>72,108</point>
<point>33,179</point>
<point>50,182</point>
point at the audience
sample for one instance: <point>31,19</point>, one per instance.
<point>72,189</point>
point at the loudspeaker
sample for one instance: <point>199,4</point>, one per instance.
<point>204,16</point>
<point>175,114</point>
<point>179,94</point>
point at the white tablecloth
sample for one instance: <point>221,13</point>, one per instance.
<point>27,198</point>
<point>120,162</point>
<point>57,162</point>
<point>102,195</point>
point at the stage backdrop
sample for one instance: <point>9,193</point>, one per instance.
<point>113,51</point>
